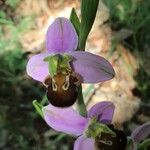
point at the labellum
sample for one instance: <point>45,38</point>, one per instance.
<point>108,141</point>
<point>62,89</point>
<point>62,84</point>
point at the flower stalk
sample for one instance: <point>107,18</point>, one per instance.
<point>87,7</point>
<point>80,103</point>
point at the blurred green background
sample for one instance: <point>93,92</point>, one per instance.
<point>21,128</point>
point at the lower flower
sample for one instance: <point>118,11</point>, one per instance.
<point>94,131</point>
<point>110,142</point>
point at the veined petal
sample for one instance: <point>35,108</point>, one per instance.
<point>37,68</point>
<point>141,132</point>
<point>103,111</point>
<point>65,120</point>
<point>61,36</point>
<point>92,68</point>
<point>83,143</point>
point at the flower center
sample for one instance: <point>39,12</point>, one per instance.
<point>108,141</point>
<point>96,128</point>
<point>62,84</point>
<point>106,137</point>
<point>62,89</point>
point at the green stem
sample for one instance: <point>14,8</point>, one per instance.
<point>88,13</point>
<point>44,100</point>
<point>80,103</point>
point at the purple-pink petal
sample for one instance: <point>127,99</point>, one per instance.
<point>61,36</point>
<point>141,132</point>
<point>65,120</point>
<point>83,143</point>
<point>37,68</point>
<point>103,111</point>
<point>92,68</point>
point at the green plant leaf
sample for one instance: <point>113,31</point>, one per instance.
<point>12,3</point>
<point>88,13</point>
<point>75,20</point>
<point>2,14</point>
<point>144,145</point>
<point>5,21</point>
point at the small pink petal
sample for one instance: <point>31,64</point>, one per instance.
<point>83,143</point>
<point>37,68</point>
<point>92,68</point>
<point>61,36</point>
<point>65,120</point>
<point>141,132</point>
<point>103,111</point>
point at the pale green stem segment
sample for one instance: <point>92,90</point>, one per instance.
<point>80,103</point>
<point>80,100</point>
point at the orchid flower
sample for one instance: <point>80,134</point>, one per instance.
<point>62,67</point>
<point>138,135</point>
<point>91,130</point>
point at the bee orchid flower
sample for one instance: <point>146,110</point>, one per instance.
<point>62,67</point>
<point>92,131</point>
<point>138,135</point>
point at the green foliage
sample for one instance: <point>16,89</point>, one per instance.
<point>129,12</point>
<point>83,28</point>
<point>145,145</point>
<point>143,86</point>
<point>11,51</point>
<point>75,21</point>
<point>133,15</point>
<point>12,3</point>
<point>88,13</point>
<point>2,14</point>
